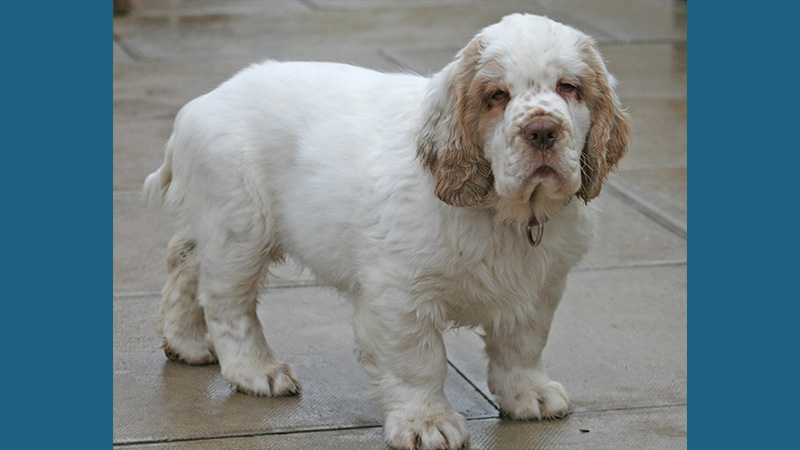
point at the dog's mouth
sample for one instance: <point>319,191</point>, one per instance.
<point>546,174</point>
<point>544,171</point>
<point>547,182</point>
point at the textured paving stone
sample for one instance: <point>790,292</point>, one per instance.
<point>666,188</point>
<point>157,90</point>
<point>626,20</point>
<point>138,150</point>
<point>659,134</point>
<point>651,428</point>
<point>651,71</point>
<point>626,237</point>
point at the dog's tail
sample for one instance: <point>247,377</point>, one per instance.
<point>156,185</point>
<point>162,188</point>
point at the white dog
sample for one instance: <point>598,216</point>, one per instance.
<point>431,202</point>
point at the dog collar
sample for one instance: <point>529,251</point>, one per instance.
<point>535,229</point>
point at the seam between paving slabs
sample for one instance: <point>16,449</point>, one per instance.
<point>277,432</point>
<point>633,265</point>
<point>648,209</point>
<point>486,397</point>
<point>129,52</point>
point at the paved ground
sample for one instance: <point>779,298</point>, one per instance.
<point>619,338</point>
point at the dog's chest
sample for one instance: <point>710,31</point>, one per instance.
<point>473,287</point>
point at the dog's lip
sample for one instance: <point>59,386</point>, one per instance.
<point>539,175</point>
<point>544,170</point>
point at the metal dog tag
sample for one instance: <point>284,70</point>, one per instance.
<point>535,241</point>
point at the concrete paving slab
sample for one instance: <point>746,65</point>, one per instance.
<point>648,71</point>
<point>120,56</point>
<point>626,20</point>
<point>157,90</point>
<point>665,188</point>
<point>425,62</point>
<point>185,29</point>
<point>625,237</point>
<point>138,150</point>
<point>659,134</point>
<point>618,340</point>
<point>244,29</point>
<point>651,428</point>
<point>260,35</point>
<point>149,8</point>
<point>140,245</point>
<point>493,10</point>
<point>156,399</point>
<point>387,4</point>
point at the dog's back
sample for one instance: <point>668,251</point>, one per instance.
<point>280,135</point>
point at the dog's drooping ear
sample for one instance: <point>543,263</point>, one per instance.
<point>449,144</point>
<point>609,134</point>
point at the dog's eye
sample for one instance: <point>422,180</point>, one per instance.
<point>500,96</point>
<point>566,88</point>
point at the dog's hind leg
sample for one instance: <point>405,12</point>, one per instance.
<point>182,321</point>
<point>234,258</point>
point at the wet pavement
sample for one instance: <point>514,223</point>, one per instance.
<point>618,343</point>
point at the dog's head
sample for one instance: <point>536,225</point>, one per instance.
<point>525,115</point>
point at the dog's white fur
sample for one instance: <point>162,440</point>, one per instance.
<point>340,167</point>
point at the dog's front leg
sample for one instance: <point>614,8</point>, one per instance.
<point>516,376</point>
<point>404,356</point>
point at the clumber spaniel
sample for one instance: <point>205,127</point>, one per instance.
<point>431,202</point>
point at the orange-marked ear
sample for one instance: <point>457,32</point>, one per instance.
<point>449,144</point>
<point>609,134</point>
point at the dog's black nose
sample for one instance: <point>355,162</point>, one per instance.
<point>542,133</point>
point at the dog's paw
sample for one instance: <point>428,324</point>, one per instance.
<point>534,402</point>
<point>190,351</point>
<point>277,379</point>
<point>442,429</point>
